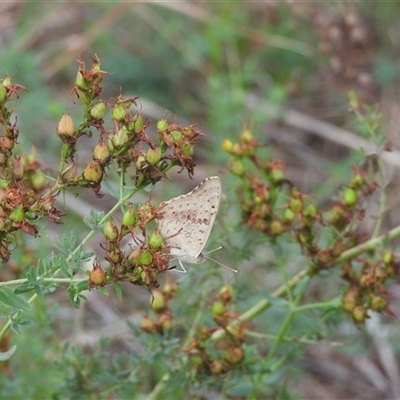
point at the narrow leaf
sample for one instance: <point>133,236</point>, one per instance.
<point>7,296</point>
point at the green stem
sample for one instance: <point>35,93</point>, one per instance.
<point>162,383</point>
<point>7,325</point>
<point>58,280</point>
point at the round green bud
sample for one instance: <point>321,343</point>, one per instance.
<point>138,125</point>
<point>157,301</point>
<point>162,125</point>
<point>350,196</point>
<point>93,172</point>
<point>110,230</point>
<point>187,150</point>
<point>145,258</point>
<point>218,308</point>
<point>17,215</point>
<point>98,110</point>
<point>101,152</point>
<point>130,217</point>
<point>120,138</point>
<point>153,156</point>
<point>156,240</point>
<point>119,112</point>
<point>175,136</point>
<point>237,168</point>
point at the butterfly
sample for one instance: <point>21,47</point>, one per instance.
<point>186,221</point>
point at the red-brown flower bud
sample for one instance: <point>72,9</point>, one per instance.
<point>97,277</point>
<point>66,127</point>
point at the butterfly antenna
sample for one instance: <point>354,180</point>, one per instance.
<point>211,251</point>
<point>223,265</point>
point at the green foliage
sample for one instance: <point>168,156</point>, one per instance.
<point>308,264</point>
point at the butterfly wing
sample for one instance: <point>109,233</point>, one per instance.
<point>186,221</point>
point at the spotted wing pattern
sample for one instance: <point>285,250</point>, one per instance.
<point>186,221</point>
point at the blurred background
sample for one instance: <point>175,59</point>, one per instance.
<point>282,69</point>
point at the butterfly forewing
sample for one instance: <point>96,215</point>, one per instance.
<point>186,221</point>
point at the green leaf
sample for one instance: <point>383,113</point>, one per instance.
<point>103,290</point>
<point>23,288</point>
<point>302,285</point>
<point>82,285</point>
<point>31,275</point>
<point>41,266</point>
<point>118,290</point>
<point>61,262</point>
<point>7,296</point>
<point>94,221</point>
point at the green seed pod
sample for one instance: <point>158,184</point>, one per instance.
<point>187,150</point>
<point>237,168</point>
<point>246,136</point>
<point>38,181</point>
<point>175,136</point>
<point>119,112</point>
<point>120,138</point>
<point>350,196</point>
<point>93,172</point>
<point>110,230</point>
<point>277,175</point>
<point>288,215</point>
<point>101,153</point>
<point>157,301</point>
<point>7,82</point>
<point>138,125</point>
<point>98,110</point>
<point>218,308</point>
<point>145,258</point>
<point>80,81</point>
<point>17,215</point>
<point>153,156</point>
<point>162,125</point>
<point>310,210</point>
<point>130,218</point>
<point>360,314</point>
<point>3,93</point>
<point>156,240</point>
<point>378,303</point>
<point>276,227</point>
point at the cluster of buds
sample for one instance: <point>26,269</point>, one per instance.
<point>22,181</point>
<point>127,144</point>
<point>273,206</point>
<point>141,265</point>
<point>227,353</point>
<point>366,287</point>
<point>159,303</point>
